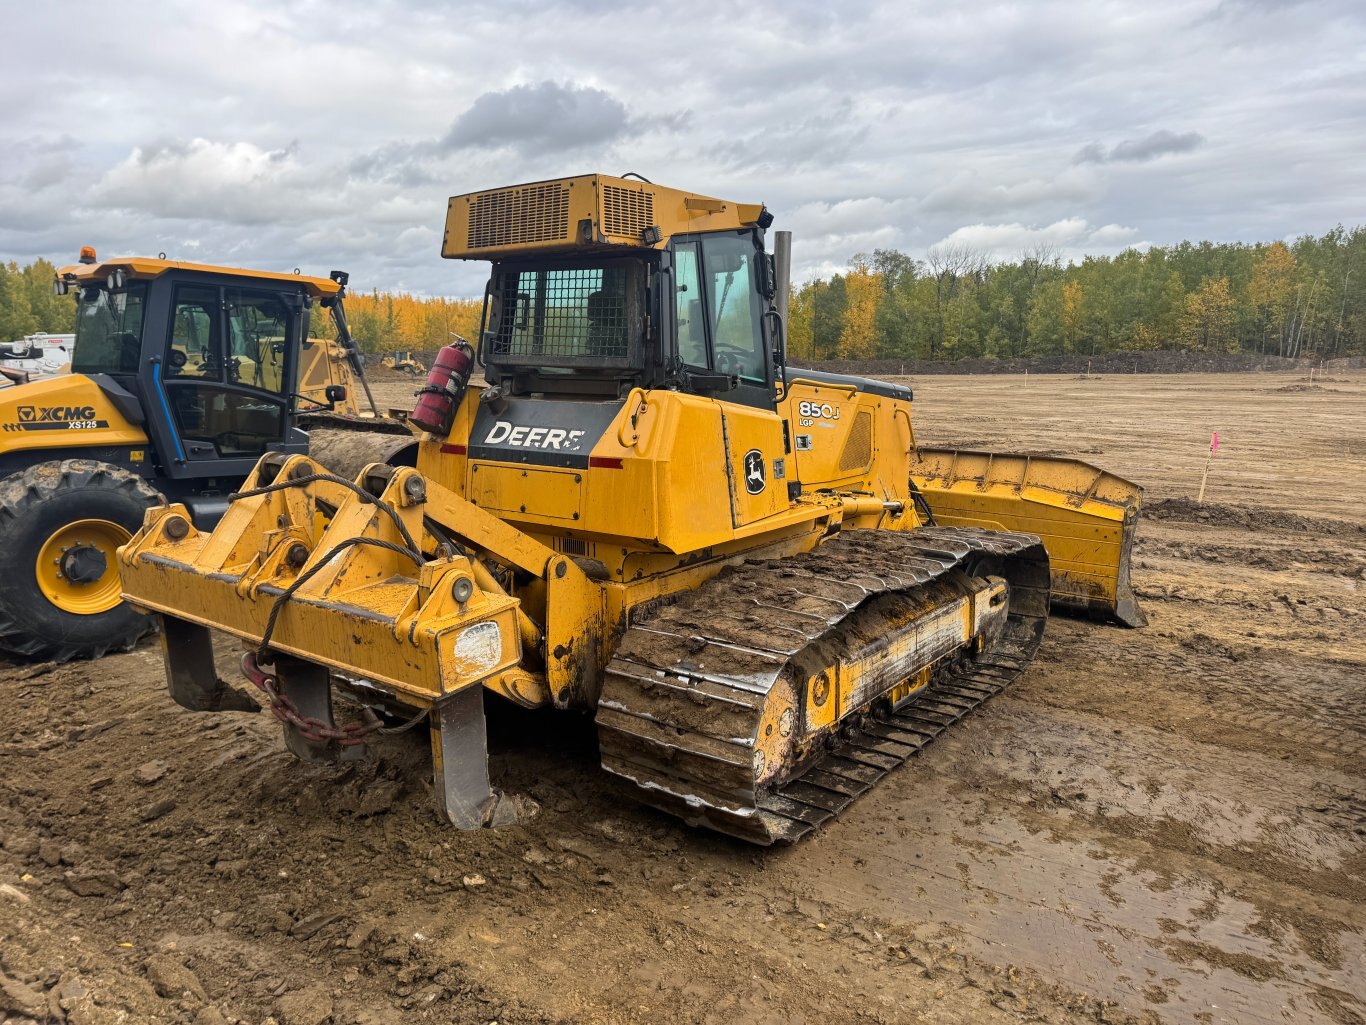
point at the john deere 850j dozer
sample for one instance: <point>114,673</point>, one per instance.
<point>182,376</point>
<point>647,515</point>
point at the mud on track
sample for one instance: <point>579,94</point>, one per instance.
<point>1166,825</point>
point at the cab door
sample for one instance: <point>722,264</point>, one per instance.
<point>719,329</point>
<point>226,377</point>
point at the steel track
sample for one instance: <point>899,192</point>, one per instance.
<point>683,696</point>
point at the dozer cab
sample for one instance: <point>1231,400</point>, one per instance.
<point>182,376</point>
<point>645,515</point>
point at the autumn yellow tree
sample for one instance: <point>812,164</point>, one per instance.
<point>858,337</point>
<point>1144,337</point>
<point>1270,288</point>
<point>1072,312</point>
<point>385,321</point>
<point>1208,321</point>
<point>801,340</point>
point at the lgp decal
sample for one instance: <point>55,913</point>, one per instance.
<point>55,418</point>
<point>754,472</point>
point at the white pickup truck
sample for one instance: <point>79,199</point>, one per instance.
<point>37,354</point>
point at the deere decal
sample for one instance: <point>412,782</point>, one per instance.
<point>55,418</point>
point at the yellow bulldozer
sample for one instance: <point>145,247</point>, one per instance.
<point>182,376</point>
<point>765,593</point>
<point>404,362</point>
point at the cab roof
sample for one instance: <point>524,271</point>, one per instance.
<point>142,268</point>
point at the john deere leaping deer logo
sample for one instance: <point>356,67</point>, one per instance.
<point>754,471</point>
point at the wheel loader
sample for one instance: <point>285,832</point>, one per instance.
<point>764,593</point>
<point>182,376</point>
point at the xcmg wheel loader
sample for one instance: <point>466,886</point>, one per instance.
<point>183,375</point>
<point>746,571</point>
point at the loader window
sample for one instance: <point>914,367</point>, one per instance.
<point>109,331</point>
<point>193,351</point>
<point>225,369</point>
<point>258,336</point>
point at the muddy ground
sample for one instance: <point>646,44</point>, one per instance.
<point>1165,825</point>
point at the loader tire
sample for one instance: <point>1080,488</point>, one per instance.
<point>60,523</point>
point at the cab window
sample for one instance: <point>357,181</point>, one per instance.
<point>718,312</point>
<point>108,330</point>
<point>226,369</point>
<point>193,349</point>
<point>258,327</point>
<point>690,316</point>
<point>737,338</point>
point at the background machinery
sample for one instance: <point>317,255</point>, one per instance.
<point>183,375</point>
<point>405,362</point>
<point>741,569</point>
<point>38,354</point>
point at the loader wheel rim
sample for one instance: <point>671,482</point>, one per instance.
<point>75,567</point>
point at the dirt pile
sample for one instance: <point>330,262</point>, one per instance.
<point>1213,514</point>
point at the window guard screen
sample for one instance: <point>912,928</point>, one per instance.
<point>567,315</point>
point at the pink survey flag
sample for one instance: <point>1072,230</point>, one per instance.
<point>1214,443</point>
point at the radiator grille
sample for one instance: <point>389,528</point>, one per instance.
<point>626,211</point>
<point>858,450</point>
<point>509,217</point>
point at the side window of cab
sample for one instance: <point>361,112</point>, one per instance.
<point>719,312</point>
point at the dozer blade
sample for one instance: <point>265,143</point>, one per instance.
<point>1085,517</point>
<point>767,700</point>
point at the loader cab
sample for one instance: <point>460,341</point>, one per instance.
<point>203,358</point>
<point>691,317</point>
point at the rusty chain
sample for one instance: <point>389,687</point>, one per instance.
<point>316,729</point>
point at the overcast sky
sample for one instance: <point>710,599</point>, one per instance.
<point>319,135</point>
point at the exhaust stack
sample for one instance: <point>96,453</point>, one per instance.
<point>782,262</point>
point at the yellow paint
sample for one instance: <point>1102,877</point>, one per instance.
<point>590,211</point>
<point>1085,516</point>
<point>369,611</point>
<point>322,363</point>
<point>62,413</point>
<point>554,494</point>
<point>906,688</point>
<point>142,268</point>
<point>81,599</point>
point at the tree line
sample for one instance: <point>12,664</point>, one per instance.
<point>1303,299</point>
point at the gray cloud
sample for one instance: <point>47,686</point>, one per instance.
<point>225,134</point>
<point>1136,151</point>
<point>547,115</point>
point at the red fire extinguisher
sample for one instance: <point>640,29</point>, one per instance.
<point>439,399</point>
